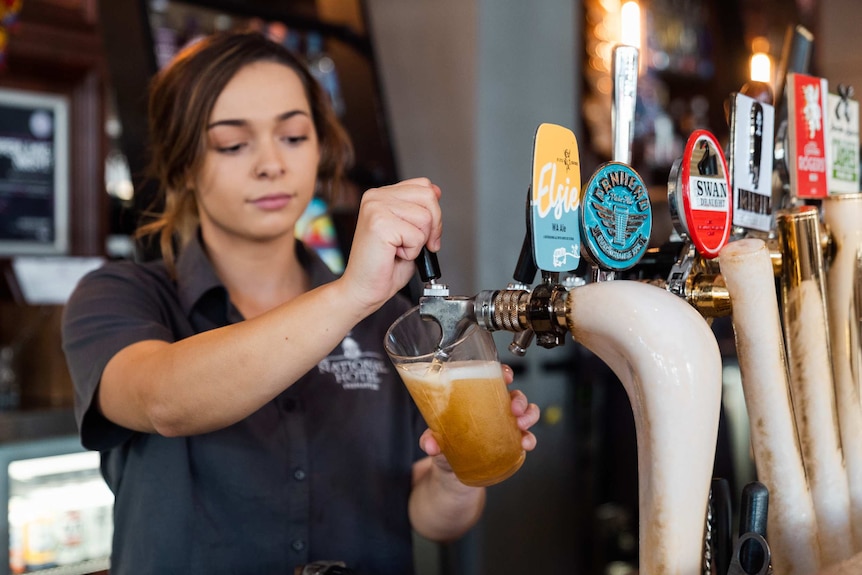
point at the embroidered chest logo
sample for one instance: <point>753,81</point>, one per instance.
<point>354,368</point>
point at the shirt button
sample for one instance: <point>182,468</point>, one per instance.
<point>298,544</point>
<point>299,474</point>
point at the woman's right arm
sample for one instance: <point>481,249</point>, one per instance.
<point>218,377</point>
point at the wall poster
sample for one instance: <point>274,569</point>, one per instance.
<point>34,173</point>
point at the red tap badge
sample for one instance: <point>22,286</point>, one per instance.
<point>806,135</point>
<point>704,190</point>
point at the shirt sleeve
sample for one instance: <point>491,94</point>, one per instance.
<point>110,309</point>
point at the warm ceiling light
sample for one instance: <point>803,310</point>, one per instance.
<point>630,28</point>
<point>761,67</point>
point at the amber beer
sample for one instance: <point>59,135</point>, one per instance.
<point>466,405</point>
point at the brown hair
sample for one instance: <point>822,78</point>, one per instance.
<point>181,99</point>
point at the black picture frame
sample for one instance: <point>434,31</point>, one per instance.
<point>34,173</point>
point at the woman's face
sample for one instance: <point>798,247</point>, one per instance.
<point>260,165</point>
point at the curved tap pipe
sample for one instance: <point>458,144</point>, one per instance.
<point>812,394</point>
<point>852,566</point>
<point>792,527</point>
<point>843,215</point>
<point>668,360</point>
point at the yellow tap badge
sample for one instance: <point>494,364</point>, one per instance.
<point>554,199</point>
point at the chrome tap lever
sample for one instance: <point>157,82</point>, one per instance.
<point>624,88</point>
<point>681,270</point>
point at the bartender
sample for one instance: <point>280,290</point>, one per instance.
<point>213,380</point>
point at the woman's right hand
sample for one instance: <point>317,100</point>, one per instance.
<point>395,223</point>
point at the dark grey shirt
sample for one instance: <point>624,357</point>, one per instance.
<point>322,472</point>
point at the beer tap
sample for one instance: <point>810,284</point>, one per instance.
<point>752,125</point>
<point>821,465</point>
<point>615,224</point>
<point>700,208</point>
<point>552,245</point>
<point>673,384</point>
<point>616,213</point>
<point>525,272</point>
<point>795,59</point>
<point>842,214</point>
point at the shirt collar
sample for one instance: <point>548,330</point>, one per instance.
<point>196,276</point>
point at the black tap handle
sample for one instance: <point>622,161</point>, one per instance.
<point>752,519</point>
<point>525,269</point>
<point>427,264</point>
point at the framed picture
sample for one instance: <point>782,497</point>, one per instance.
<point>34,173</point>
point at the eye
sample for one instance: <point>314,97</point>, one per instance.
<point>232,149</point>
<point>294,139</point>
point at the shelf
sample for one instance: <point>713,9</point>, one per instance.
<point>27,425</point>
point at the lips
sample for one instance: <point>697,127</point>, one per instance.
<point>272,202</point>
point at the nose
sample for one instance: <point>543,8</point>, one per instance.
<point>269,163</point>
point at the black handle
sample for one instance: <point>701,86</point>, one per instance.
<point>525,269</point>
<point>752,519</point>
<point>427,264</point>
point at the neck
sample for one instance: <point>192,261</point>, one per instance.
<point>259,276</point>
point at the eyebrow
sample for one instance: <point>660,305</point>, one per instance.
<point>240,123</point>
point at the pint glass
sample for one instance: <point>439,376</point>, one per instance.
<point>461,393</point>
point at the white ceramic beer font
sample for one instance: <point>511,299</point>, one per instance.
<point>746,266</point>
<point>842,214</point>
<point>673,383</point>
<point>803,304</point>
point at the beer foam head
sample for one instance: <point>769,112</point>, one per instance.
<point>428,372</point>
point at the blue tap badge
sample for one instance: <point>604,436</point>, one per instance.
<point>616,217</point>
<point>554,199</point>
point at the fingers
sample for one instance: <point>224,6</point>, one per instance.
<point>410,210</point>
<point>528,441</point>
<point>527,414</point>
<point>428,444</point>
<point>432,448</point>
<point>508,374</point>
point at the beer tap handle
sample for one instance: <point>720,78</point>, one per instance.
<point>429,272</point>
<point>750,162</point>
<point>429,268</point>
<point>795,57</point>
<point>525,269</point>
<point>699,194</point>
<point>752,519</point>
<point>624,87</point>
<point>616,215</point>
<point>554,199</point>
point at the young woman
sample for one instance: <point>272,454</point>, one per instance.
<point>248,418</point>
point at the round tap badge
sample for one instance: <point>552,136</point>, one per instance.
<point>699,185</point>
<point>616,217</point>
